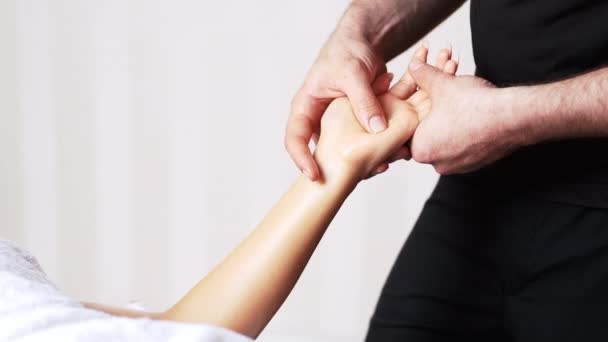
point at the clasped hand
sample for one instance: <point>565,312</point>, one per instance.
<point>345,147</point>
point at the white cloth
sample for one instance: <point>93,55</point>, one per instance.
<point>32,309</point>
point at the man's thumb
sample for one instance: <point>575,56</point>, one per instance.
<point>426,76</point>
<point>367,107</point>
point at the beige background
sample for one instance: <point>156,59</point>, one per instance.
<point>140,140</point>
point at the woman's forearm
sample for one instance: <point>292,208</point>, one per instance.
<point>246,289</point>
<point>392,26</point>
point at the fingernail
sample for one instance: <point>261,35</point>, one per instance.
<point>415,65</point>
<point>390,76</point>
<point>376,124</point>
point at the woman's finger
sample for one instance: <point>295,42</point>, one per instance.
<point>443,57</point>
<point>450,67</point>
<point>406,85</point>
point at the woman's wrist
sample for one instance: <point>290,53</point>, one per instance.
<point>335,171</point>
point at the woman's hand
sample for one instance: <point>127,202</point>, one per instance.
<point>344,146</point>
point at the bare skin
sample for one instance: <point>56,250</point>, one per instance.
<point>370,33</point>
<point>472,123</point>
<point>246,289</point>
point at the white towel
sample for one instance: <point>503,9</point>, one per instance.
<point>32,309</point>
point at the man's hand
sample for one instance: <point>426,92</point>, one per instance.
<point>467,127</point>
<point>346,66</point>
<point>370,33</point>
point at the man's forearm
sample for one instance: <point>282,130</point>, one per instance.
<point>573,108</point>
<point>392,26</point>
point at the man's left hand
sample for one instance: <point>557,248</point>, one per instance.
<point>469,125</point>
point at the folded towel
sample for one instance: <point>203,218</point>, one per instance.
<point>32,309</point>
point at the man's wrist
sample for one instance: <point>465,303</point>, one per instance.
<point>518,117</point>
<point>361,22</point>
<point>353,22</point>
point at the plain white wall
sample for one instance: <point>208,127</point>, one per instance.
<point>141,140</point>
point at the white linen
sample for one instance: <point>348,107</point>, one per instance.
<point>32,309</point>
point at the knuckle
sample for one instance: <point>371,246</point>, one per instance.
<point>440,169</point>
<point>356,65</point>
<point>421,155</point>
<point>356,68</point>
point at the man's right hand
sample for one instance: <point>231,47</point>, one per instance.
<point>346,66</point>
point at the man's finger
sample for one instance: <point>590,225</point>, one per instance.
<point>382,83</point>
<point>366,106</point>
<point>427,77</point>
<point>408,154</point>
<point>402,153</point>
<point>297,137</point>
<point>315,138</point>
<point>300,129</point>
<point>378,170</point>
<point>381,70</point>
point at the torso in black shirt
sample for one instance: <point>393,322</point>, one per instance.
<point>537,41</point>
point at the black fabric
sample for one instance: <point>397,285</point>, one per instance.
<point>537,41</point>
<point>486,262</point>
<point>517,251</point>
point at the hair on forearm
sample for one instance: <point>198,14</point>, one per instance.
<point>392,26</point>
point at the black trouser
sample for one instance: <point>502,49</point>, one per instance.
<point>484,264</point>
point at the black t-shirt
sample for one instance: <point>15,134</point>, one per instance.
<point>537,41</point>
